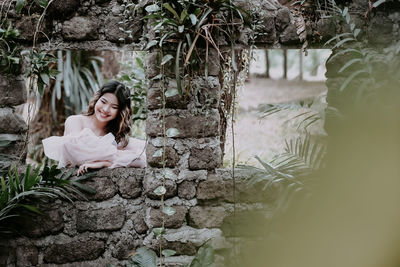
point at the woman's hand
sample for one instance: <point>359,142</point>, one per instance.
<point>92,165</point>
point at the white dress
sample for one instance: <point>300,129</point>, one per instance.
<point>85,147</point>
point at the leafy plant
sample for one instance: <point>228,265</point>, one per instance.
<point>133,75</point>
<point>10,50</point>
<point>41,67</point>
<point>204,257</point>
<point>144,257</point>
<point>20,4</point>
<point>23,191</point>
<point>364,64</point>
<point>79,77</point>
<point>290,170</point>
<point>190,24</point>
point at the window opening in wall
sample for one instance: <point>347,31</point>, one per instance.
<point>77,76</point>
<point>284,98</point>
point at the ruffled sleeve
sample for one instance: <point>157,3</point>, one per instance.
<point>133,155</point>
<point>85,147</point>
<point>79,148</point>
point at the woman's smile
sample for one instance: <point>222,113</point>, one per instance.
<point>106,108</point>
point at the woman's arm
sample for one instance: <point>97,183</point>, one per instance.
<point>93,165</point>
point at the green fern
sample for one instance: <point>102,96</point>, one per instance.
<point>290,170</point>
<point>23,191</point>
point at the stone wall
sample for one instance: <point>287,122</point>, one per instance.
<point>118,219</point>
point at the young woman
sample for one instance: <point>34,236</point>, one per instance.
<point>101,137</point>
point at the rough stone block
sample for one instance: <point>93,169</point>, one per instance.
<point>11,122</point>
<point>131,186</point>
<point>214,188</point>
<point>283,16</point>
<point>213,63</point>
<point>151,182</point>
<point>289,35</point>
<point>187,175</point>
<point>27,28</point>
<point>219,186</point>
<point>127,243</point>
<point>326,29</point>
<point>206,92</point>
<point>381,30</point>
<point>62,9</point>
<point>187,189</point>
<point>206,124</point>
<point>78,249</point>
<point>172,97</point>
<point>16,147</point>
<point>139,223</point>
<point>197,237</point>
<point>80,28</point>
<point>50,222</point>
<point>104,187</point>
<point>174,221</point>
<point>155,159</point>
<point>27,256</point>
<point>12,90</point>
<point>207,217</point>
<point>113,33</point>
<point>269,31</point>
<point>103,219</point>
<point>205,158</point>
<point>7,252</point>
<point>152,61</point>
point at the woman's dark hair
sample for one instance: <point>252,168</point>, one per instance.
<point>120,127</point>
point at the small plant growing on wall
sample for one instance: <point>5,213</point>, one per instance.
<point>191,26</point>
<point>10,50</point>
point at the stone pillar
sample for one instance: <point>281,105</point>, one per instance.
<point>192,154</point>
<point>195,116</point>
<point>12,126</point>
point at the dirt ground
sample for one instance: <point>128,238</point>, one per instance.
<point>266,137</point>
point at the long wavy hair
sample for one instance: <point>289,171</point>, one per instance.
<point>120,127</point>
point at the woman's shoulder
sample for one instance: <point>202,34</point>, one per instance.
<point>75,123</point>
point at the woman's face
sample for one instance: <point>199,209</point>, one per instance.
<point>106,108</point>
